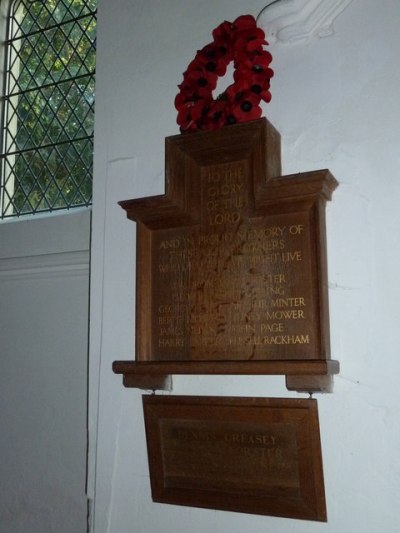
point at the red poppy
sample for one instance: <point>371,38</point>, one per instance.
<point>201,79</point>
<point>246,110</point>
<point>216,117</point>
<point>256,36</point>
<point>210,60</point>
<point>223,32</point>
<point>250,81</point>
<point>249,58</point>
<point>245,22</point>
<point>241,42</point>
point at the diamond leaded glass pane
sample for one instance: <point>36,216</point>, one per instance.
<point>48,114</point>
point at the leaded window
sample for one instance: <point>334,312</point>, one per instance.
<point>48,106</point>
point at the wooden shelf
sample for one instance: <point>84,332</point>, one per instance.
<point>301,375</point>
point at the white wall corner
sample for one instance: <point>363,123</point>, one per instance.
<point>290,21</point>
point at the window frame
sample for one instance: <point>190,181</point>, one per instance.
<point>7,34</point>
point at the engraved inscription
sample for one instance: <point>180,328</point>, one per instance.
<point>257,455</point>
<point>224,454</point>
<point>224,193</point>
<point>236,286</point>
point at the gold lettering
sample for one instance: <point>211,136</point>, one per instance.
<point>223,218</point>
<point>288,302</point>
<point>177,342</point>
<point>171,331</point>
<point>170,244</point>
<point>287,315</point>
<point>225,189</point>
<point>287,339</point>
<point>228,203</point>
<point>174,309</point>
<point>296,229</point>
<point>165,320</point>
<point>268,245</point>
<point>168,268</point>
<point>275,327</point>
<point>225,173</point>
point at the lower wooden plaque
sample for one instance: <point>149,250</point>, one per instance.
<point>251,455</point>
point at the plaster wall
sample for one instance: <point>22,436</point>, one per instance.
<point>335,103</point>
<point>44,287</point>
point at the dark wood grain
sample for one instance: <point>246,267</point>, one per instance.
<point>287,367</point>
<point>231,260</point>
<point>252,455</point>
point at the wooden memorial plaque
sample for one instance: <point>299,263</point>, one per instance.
<point>231,261</point>
<point>252,455</point>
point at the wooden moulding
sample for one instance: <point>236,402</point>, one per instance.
<point>231,263</point>
<point>251,455</point>
<point>302,376</point>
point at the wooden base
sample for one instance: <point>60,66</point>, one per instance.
<point>310,384</point>
<point>301,375</point>
<point>147,381</point>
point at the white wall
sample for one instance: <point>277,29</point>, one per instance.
<point>335,102</point>
<point>44,287</point>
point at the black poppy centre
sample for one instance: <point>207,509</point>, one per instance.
<point>246,106</point>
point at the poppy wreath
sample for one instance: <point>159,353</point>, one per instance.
<point>241,42</point>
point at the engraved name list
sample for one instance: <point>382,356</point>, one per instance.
<point>235,286</point>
